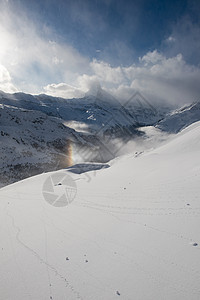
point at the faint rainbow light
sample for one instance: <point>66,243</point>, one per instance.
<point>69,155</point>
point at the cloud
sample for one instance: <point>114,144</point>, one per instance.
<point>106,73</point>
<point>63,90</point>
<point>5,81</point>
<point>152,58</point>
<point>85,83</point>
<point>157,77</point>
<point>33,59</point>
<point>184,38</point>
<point>170,39</point>
<point>33,55</point>
<point>88,82</point>
<point>4,74</point>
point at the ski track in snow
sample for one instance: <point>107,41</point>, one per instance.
<point>40,259</point>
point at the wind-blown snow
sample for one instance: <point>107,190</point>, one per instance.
<point>132,232</point>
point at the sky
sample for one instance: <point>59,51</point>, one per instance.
<point>65,48</point>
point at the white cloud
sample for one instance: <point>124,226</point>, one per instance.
<point>170,39</point>
<point>5,81</point>
<point>63,90</point>
<point>106,73</point>
<point>157,77</point>
<point>31,57</point>
<point>85,82</point>
<point>88,82</point>
<point>4,74</point>
<point>184,39</point>
<point>152,57</point>
<point>33,62</point>
<point>56,60</point>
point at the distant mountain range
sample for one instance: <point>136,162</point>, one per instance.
<point>42,133</point>
<point>180,118</point>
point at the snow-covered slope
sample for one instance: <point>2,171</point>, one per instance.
<point>37,131</point>
<point>131,232</point>
<point>97,110</point>
<point>180,118</point>
<point>32,142</point>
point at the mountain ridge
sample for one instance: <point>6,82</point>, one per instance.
<point>39,132</point>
